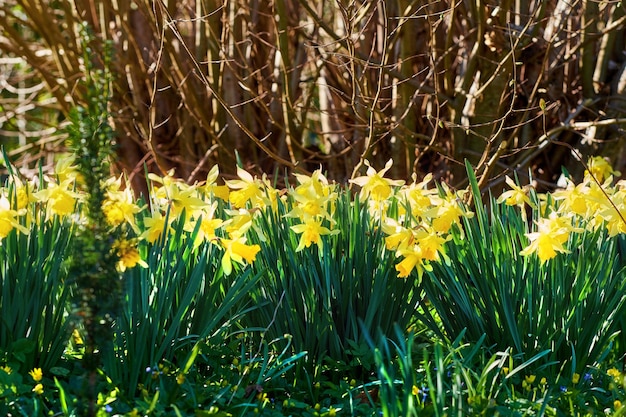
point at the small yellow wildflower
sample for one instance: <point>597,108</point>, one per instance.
<point>6,368</point>
<point>180,379</point>
<point>575,378</point>
<point>38,389</point>
<point>530,379</point>
<point>36,374</point>
<point>415,390</point>
<point>614,372</point>
<point>617,404</point>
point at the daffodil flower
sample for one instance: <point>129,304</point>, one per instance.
<point>575,198</point>
<point>312,232</point>
<point>208,225</point>
<point>374,185</point>
<point>413,259</point>
<point>238,251</point>
<point>516,196</point>
<point>248,189</point>
<point>417,196</point>
<point>128,254</point>
<point>60,198</point>
<point>119,205</point>
<point>551,235</point>
<point>9,219</point>
<point>600,169</point>
<point>154,227</point>
<point>210,187</point>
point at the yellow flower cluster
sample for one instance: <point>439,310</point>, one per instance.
<point>594,203</point>
<point>57,196</point>
<point>424,221</point>
<point>314,203</point>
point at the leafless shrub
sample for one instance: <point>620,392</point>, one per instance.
<point>292,84</point>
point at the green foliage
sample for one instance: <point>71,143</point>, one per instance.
<point>319,295</point>
<point>178,300</point>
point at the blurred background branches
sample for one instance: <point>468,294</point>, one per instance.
<point>511,85</point>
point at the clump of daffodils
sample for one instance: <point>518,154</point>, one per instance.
<point>594,203</point>
<point>425,217</point>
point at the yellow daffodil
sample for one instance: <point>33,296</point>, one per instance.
<point>417,196</point>
<point>239,223</point>
<point>208,225</point>
<point>430,243</point>
<point>551,235</point>
<point>119,205</point>
<point>65,169</point>
<point>176,196</point>
<point>574,198</point>
<point>398,236</point>
<point>444,215</point>
<point>600,169</point>
<point>248,189</point>
<point>516,196</point>
<point>210,187</point>
<point>9,219</point>
<point>374,185</point>
<point>238,251</point>
<point>314,186</point>
<point>60,198</point>
<point>413,259</point>
<point>154,226</point>
<point>24,194</point>
<point>128,254</point>
<point>312,232</point>
<point>312,206</point>
<point>615,218</point>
